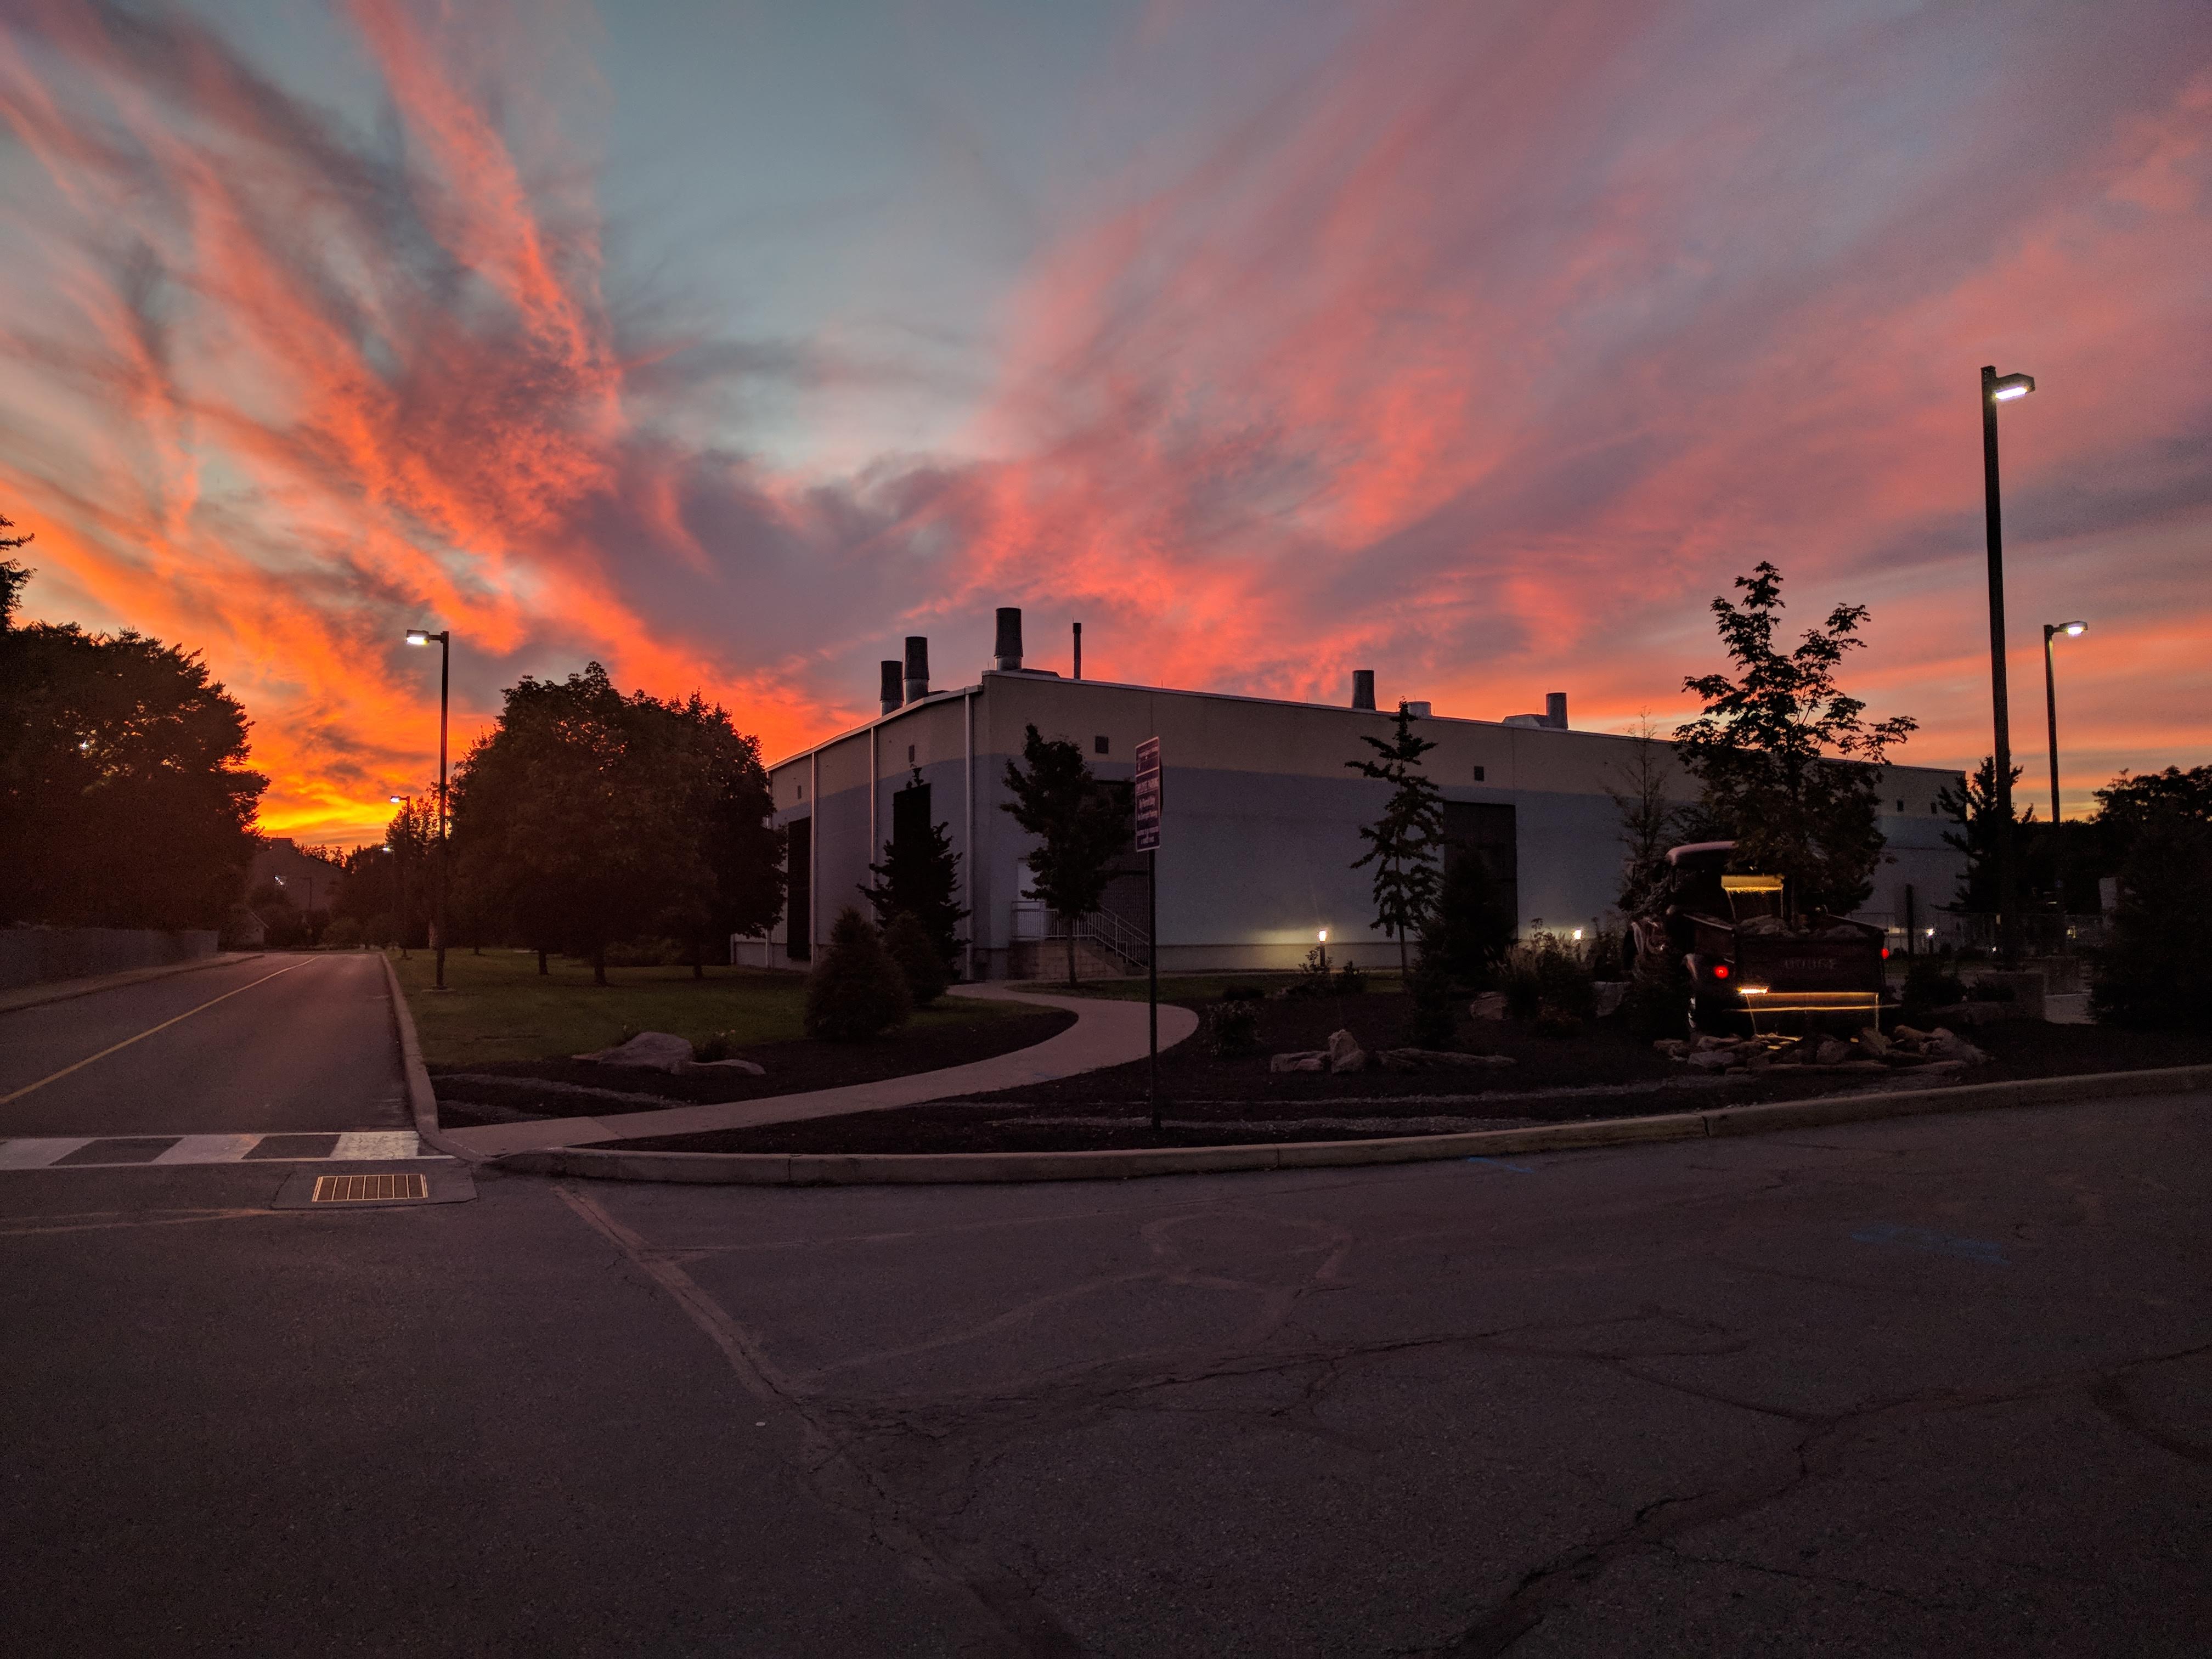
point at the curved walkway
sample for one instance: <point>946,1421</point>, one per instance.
<point>1107,1031</point>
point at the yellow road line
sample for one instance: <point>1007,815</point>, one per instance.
<point>148,1032</point>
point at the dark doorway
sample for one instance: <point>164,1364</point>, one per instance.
<point>1486,831</point>
<point>910,822</point>
<point>798,906</point>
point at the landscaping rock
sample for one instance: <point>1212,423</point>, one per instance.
<point>1491,1005</point>
<point>1713,1060</point>
<point>1416,1060</point>
<point>1672,1047</point>
<point>1609,994</point>
<point>654,1051</point>
<point>1345,1053</point>
<point>700,1067</point>
<point>1832,1052</point>
<point>1948,1045</point>
<point>1315,1061</point>
<point>1874,1041</point>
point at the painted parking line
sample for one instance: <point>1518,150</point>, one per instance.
<point>1919,1238</point>
<point>134,1152</point>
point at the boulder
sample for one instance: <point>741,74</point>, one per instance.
<point>1713,1060</point>
<point>654,1051</point>
<point>1832,1052</point>
<point>1314,1061</point>
<point>1345,1053</point>
<point>1708,1044</point>
<point>700,1067</point>
<point>1672,1047</point>
<point>1874,1041</point>
<point>1491,1005</point>
<point>1948,1045</point>
<point>1609,993</point>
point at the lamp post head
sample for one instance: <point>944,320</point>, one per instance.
<point>2076,630</point>
<point>423,636</point>
<point>1323,936</point>
<point>2004,388</point>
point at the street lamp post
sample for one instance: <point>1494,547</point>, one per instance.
<point>444,637</point>
<point>1998,389</point>
<point>2072,630</point>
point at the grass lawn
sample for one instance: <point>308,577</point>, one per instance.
<point>496,1007</point>
<point>1191,990</point>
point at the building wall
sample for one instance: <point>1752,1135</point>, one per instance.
<point>1261,816</point>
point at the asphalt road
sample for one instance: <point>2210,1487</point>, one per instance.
<point>273,1043</point>
<point>1941,1385</point>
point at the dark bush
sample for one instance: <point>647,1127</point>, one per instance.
<point>1234,1027</point>
<point>1436,1004</point>
<point>647,953</point>
<point>1545,976</point>
<point>1608,956</point>
<point>1350,981</point>
<point>917,958</point>
<point>856,990</point>
<point>1242,994</point>
<point>1929,984</point>
<point>1315,979</point>
<point>1657,1002</point>
<point>2156,975</point>
<point>715,1048</point>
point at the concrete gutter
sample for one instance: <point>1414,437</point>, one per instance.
<point>421,1099</point>
<point>61,990</point>
<point>876,1169</point>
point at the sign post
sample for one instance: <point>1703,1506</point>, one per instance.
<point>1148,843</point>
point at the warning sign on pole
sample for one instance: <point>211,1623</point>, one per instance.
<point>1148,795</point>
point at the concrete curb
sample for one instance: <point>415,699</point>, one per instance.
<point>878,1169</point>
<point>421,1099</point>
<point>63,990</point>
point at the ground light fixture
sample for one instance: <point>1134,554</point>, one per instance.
<point>2000,389</point>
<point>444,639</point>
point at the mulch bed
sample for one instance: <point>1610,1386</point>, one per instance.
<point>514,1091</point>
<point>1209,1101</point>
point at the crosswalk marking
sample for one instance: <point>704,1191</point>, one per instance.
<point>353,1146</point>
<point>210,1149</point>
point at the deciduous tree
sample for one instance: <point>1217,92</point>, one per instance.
<point>1081,825</point>
<point>1789,764</point>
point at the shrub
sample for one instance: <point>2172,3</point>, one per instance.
<point>647,953</point>
<point>1928,985</point>
<point>1657,1002</point>
<point>715,1048</point>
<point>1608,959</point>
<point>1242,994</point>
<point>856,990</point>
<point>343,934</point>
<point>1350,981</point>
<point>1435,1003</point>
<point>918,958</point>
<point>2156,975</point>
<point>1545,975</point>
<point>1553,1024</point>
<point>1314,979</point>
<point>1235,1027</point>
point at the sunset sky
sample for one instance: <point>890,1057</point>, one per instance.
<point>1480,345</point>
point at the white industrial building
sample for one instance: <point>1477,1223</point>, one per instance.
<point>1260,822</point>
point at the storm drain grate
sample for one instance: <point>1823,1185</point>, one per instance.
<point>368,1189</point>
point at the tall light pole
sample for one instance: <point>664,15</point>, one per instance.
<point>423,636</point>
<point>2072,630</point>
<point>2000,389</point>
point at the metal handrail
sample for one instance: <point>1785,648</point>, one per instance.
<point>1108,930</point>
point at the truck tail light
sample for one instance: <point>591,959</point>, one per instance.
<point>1884,953</point>
<point>1719,970</point>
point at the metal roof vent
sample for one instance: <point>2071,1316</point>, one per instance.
<point>1006,655</point>
<point>893,694</point>
<point>917,667</point>
<point>1363,688</point>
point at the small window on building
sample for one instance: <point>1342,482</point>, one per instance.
<point>1931,806</point>
<point>1477,775</point>
<point>1900,806</point>
<point>1101,746</point>
<point>802,791</point>
<point>909,754</point>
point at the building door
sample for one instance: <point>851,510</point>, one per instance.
<point>798,895</point>
<point>1486,831</point>
<point>911,824</point>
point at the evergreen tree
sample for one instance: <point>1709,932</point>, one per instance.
<point>919,876</point>
<point>1081,826</point>
<point>1403,844</point>
<point>918,960</point>
<point>1788,765</point>
<point>1974,811</point>
<point>855,991</point>
<point>2156,975</point>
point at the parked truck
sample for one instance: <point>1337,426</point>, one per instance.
<point>1749,957</point>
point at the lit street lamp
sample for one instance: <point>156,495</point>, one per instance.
<point>423,636</point>
<point>2072,630</point>
<point>2000,389</point>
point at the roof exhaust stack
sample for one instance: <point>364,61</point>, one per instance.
<point>1006,655</point>
<point>1363,688</point>
<point>1078,651</point>
<point>893,694</point>
<point>917,667</point>
<point>1555,710</point>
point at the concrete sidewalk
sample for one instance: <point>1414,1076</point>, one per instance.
<point>1107,1032</point>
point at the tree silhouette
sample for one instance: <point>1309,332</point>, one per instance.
<point>1081,825</point>
<point>1404,843</point>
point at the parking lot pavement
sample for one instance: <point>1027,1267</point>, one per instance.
<point>1928,1385</point>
